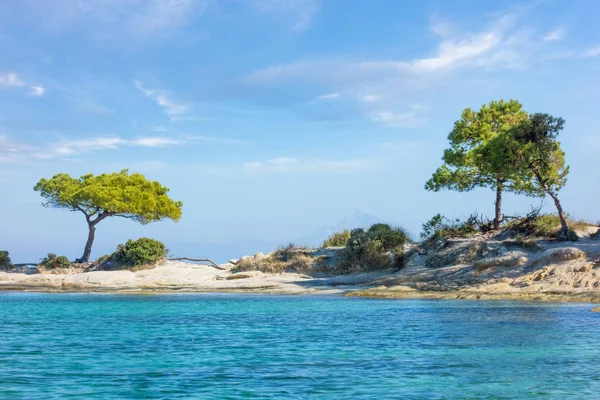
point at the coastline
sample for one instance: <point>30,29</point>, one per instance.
<point>475,268</point>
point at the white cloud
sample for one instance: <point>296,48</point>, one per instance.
<point>139,19</point>
<point>16,151</point>
<point>593,52</point>
<point>291,164</point>
<point>414,116</point>
<point>328,96</point>
<point>13,150</point>
<point>12,80</point>
<point>302,11</point>
<point>370,98</point>
<point>555,35</point>
<point>380,87</point>
<point>156,142</point>
<point>171,107</point>
<point>81,146</point>
<point>37,91</point>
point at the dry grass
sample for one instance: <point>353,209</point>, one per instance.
<point>284,259</point>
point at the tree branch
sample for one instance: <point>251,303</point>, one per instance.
<point>207,260</point>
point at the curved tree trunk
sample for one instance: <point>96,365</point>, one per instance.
<point>498,205</point>
<point>564,228</point>
<point>88,245</point>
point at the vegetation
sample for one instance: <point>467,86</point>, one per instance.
<point>120,194</point>
<point>441,227</point>
<point>5,262</point>
<point>337,239</point>
<point>546,226</point>
<point>538,151</point>
<point>285,259</point>
<point>137,253</point>
<point>503,147</point>
<point>53,262</point>
<point>478,156</point>
<point>379,247</point>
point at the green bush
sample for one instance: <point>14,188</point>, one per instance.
<point>337,239</point>
<point>546,225</point>
<point>370,249</point>
<point>5,263</point>
<point>390,238</point>
<point>135,253</point>
<point>52,261</point>
<point>439,226</point>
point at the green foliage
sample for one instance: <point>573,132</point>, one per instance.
<point>481,154</point>
<point>441,227</point>
<point>337,239</point>
<point>5,262</point>
<point>52,261</point>
<point>545,226</point>
<point>476,157</point>
<point>390,238</point>
<point>434,226</point>
<point>285,259</point>
<point>118,194</point>
<point>136,253</point>
<point>371,249</point>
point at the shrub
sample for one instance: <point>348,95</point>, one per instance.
<point>135,253</point>
<point>285,259</point>
<point>52,261</point>
<point>337,239</point>
<point>439,226</point>
<point>5,263</point>
<point>546,225</point>
<point>433,227</point>
<point>371,249</point>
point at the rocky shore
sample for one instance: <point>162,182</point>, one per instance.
<point>478,267</point>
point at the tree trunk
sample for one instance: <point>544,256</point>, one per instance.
<point>88,245</point>
<point>564,228</point>
<point>498,204</point>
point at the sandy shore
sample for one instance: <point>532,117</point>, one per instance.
<point>478,268</point>
<point>184,277</point>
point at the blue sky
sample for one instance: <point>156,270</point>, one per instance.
<point>271,119</point>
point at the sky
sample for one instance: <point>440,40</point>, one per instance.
<point>271,119</point>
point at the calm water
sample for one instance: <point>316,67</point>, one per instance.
<point>239,346</point>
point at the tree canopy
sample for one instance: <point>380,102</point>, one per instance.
<point>117,194</point>
<point>479,154</point>
<point>537,150</point>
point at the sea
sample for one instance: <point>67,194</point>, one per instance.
<point>238,346</point>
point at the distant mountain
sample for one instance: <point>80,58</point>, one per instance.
<point>358,219</point>
<point>221,252</point>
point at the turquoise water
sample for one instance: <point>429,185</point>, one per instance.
<point>241,346</point>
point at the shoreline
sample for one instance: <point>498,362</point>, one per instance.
<point>360,291</point>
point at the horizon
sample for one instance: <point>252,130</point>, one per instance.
<point>273,120</point>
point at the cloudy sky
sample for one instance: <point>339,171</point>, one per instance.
<point>270,119</point>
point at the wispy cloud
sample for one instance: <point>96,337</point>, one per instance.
<point>385,90</point>
<point>555,35</point>
<point>328,96</point>
<point>172,108</point>
<point>291,164</point>
<point>12,80</point>
<point>116,18</point>
<point>413,117</point>
<point>18,151</point>
<point>302,11</point>
<point>592,52</point>
<point>12,151</point>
